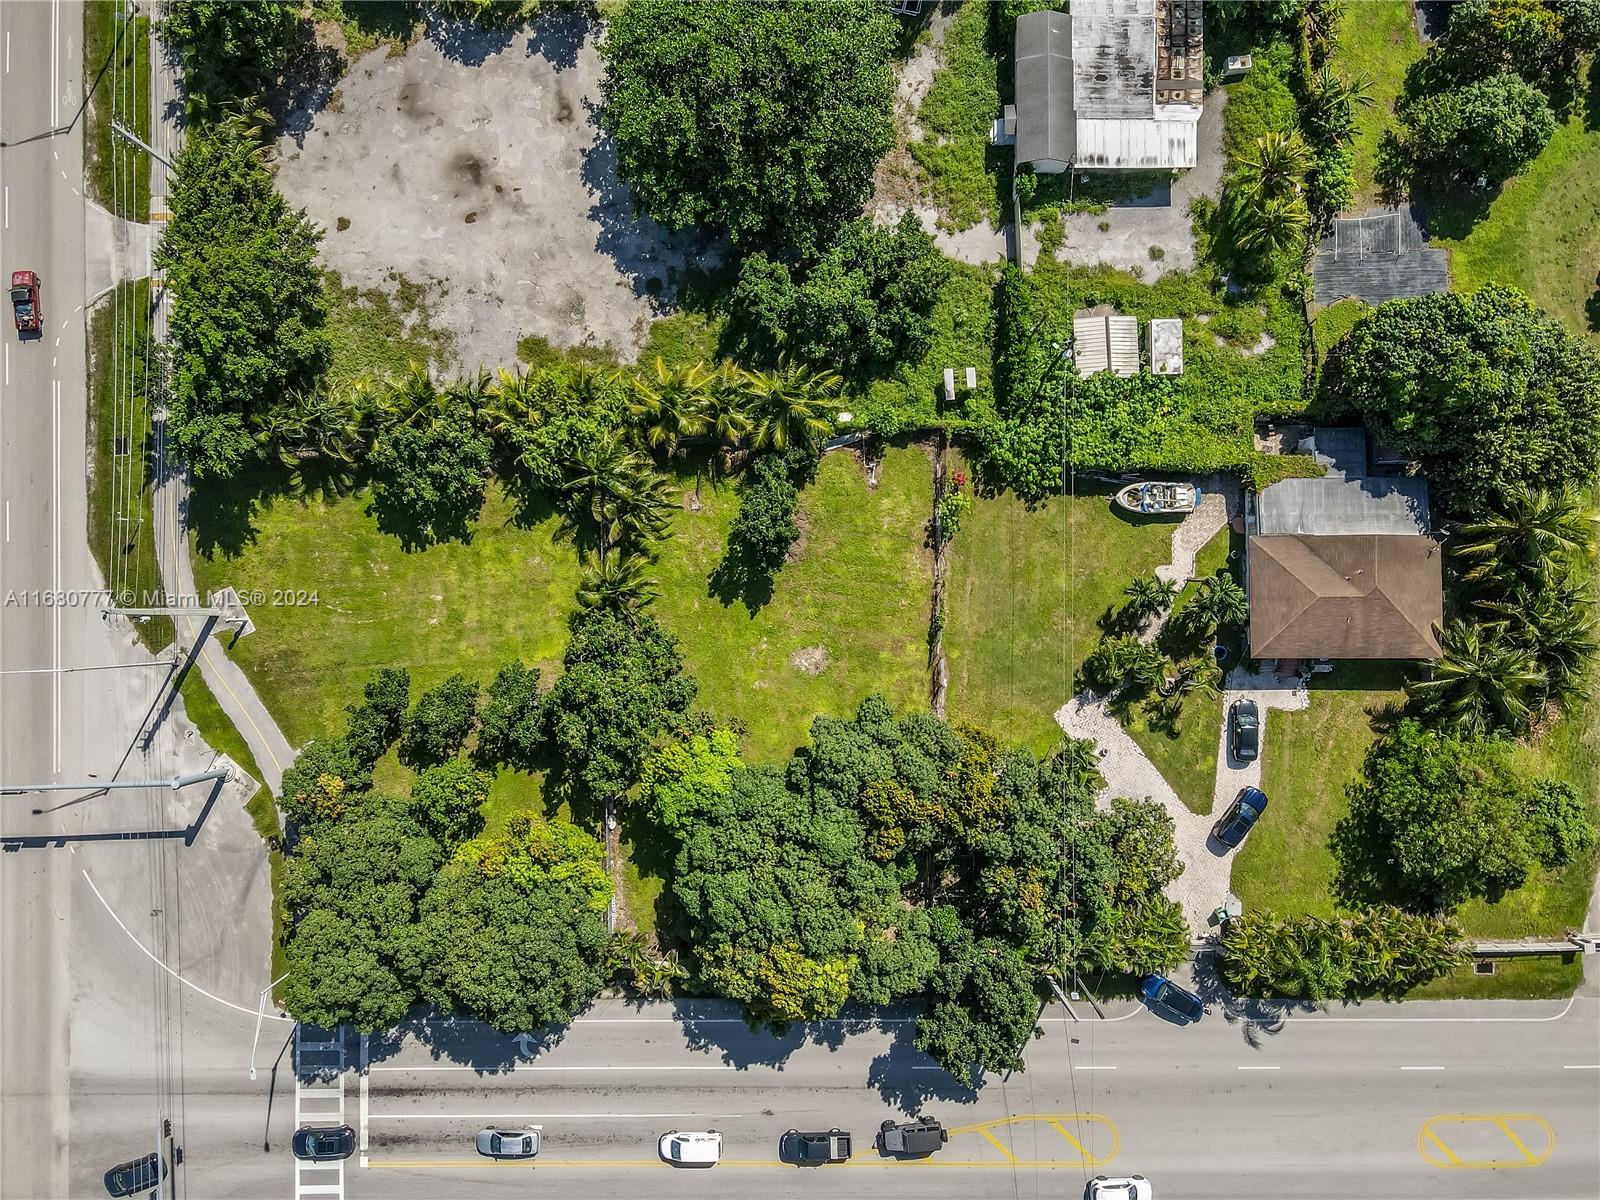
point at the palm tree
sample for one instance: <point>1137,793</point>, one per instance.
<point>1334,99</point>
<point>618,583</point>
<point>1529,535</point>
<point>790,405</point>
<point>406,398</point>
<point>515,400</point>
<point>1274,168</point>
<point>1481,681</point>
<point>670,404</point>
<point>1555,623</point>
<point>1273,224</point>
<point>1149,596</point>
<point>1221,602</point>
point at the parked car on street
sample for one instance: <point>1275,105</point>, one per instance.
<point>912,1139</point>
<point>1167,999</point>
<point>1133,1187</point>
<point>325,1144</point>
<point>508,1143</point>
<point>814,1149</point>
<point>1240,817</point>
<point>1244,730</point>
<point>135,1177</point>
<point>690,1149</point>
<point>26,309</point>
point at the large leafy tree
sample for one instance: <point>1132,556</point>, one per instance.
<point>232,50</point>
<point>864,308</point>
<point>762,120</point>
<point>623,685</point>
<point>351,889</point>
<point>248,313</point>
<point>514,930</point>
<point>1437,819</point>
<point>430,476</point>
<point>1492,127</point>
<point>1494,395</point>
<point>511,723</point>
<point>448,799</point>
<point>440,724</point>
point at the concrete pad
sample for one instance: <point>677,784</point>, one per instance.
<point>482,173</point>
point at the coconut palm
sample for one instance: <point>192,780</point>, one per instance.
<point>1221,602</point>
<point>1556,623</point>
<point>1334,99</point>
<point>515,400</point>
<point>1149,596</point>
<point>1528,535</point>
<point>670,404</point>
<point>791,405</point>
<point>1275,167</point>
<point>1272,224</point>
<point>617,583</point>
<point>1481,681</point>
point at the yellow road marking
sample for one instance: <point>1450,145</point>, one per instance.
<point>1079,1146</point>
<point>998,1145</point>
<point>1463,1123</point>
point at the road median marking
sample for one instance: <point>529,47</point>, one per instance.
<point>1485,1141</point>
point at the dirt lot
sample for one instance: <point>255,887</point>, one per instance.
<point>474,164</point>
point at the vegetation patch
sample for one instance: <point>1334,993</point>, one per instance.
<point>1377,42</point>
<point>378,332</point>
<point>116,58</point>
<point>963,174</point>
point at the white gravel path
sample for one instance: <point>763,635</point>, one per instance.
<point>1288,693</point>
<point>1203,885</point>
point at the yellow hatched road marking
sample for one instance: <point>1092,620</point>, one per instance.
<point>998,1145</point>
<point>1435,1130</point>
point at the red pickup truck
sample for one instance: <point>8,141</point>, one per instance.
<point>25,305</point>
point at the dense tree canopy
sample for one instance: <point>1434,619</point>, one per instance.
<point>763,120</point>
<point>248,310</point>
<point>1491,393</point>
<point>863,309</point>
<point>622,686</point>
<point>232,50</point>
<point>440,724</point>
<point>429,476</point>
<point>514,930</point>
<point>447,799</point>
<point>1492,127</point>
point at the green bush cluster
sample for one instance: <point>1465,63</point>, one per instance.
<point>1376,952</point>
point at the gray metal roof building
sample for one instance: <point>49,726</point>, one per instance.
<point>1044,90</point>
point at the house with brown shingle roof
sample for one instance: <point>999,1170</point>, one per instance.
<point>1343,566</point>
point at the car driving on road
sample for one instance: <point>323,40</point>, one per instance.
<point>26,309</point>
<point>814,1149</point>
<point>1240,817</point>
<point>1132,1187</point>
<point>508,1143</point>
<point>325,1144</point>
<point>912,1139</point>
<point>1171,1001</point>
<point>1244,730</point>
<point>690,1149</point>
<point>140,1175</point>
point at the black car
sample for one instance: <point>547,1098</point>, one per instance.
<point>1244,730</point>
<point>141,1175</point>
<point>814,1149</point>
<point>326,1144</point>
<point>1240,816</point>
<point>912,1139</point>
<point>1167,999</point>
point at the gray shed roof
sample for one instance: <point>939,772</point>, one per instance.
<point>1337,507</point>
<point>1045,122</point>
<point>1114,43</point>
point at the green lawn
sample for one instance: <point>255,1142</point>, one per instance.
<point>1515,979</point>
<point>1026,588</point>
<point>1542,232</point>
<point>447,608</point>
<point>857,588</point>
<point>1308,759</point>
<point>1187,756</point>
<point>1377,39</point>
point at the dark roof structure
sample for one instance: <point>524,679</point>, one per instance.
<point>1342,566</point>
<point>1045,124</point>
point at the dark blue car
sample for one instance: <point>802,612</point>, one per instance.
<point>1167,999</point>
<point>1240,816</point>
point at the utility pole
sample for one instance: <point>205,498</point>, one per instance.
<point>176,783</point>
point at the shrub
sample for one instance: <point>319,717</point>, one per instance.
<point>374,724</point>
<point>764,528</point>
<point>1563,825</point>
<point>1377,952</point>
<point>429,478</point>
<point>440,724</point>
<point>447,800</point>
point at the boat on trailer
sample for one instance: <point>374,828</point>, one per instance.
<point>1157,499</point>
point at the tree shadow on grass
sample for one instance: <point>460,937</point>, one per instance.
<point>223,512</point>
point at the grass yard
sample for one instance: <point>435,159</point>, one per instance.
<point>375,333</point>
<point>1309,758</point>
<point>452,607</point>
<point>848,615</point>
<point>1514,979</point>
<point>1541,233</point>
<point>1329,327</point>
<point>1026,588</point>
<point>1378,40</point>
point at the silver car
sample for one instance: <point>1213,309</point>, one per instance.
<point>509,1143</point>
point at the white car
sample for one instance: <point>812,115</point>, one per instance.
<point>509,1143</point>
<point>1133,1187</point>
<point>691,1149</point>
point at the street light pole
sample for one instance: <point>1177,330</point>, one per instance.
<point>261,1009</point>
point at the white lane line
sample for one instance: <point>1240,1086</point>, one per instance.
<point>1082,1067</point>
<point>8,207</point>
<point>550,1067</point>
<point>1582,1067</point>
<point>1257,1068</point>
<point>8,520</point>
<point>55,425</point>
<point>8,52</point>
<point>249,1012</point>
<point>1422,1068</point>
<point>1311,1022</point>
<point>8,364</point>
<point>501,1116</point>
<point>55,64</point>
